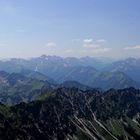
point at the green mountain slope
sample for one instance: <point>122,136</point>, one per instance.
<point>74,84</point>
<point>15,88</point>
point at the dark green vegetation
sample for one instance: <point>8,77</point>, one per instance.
<point>74,84</point>
<point>16,87</point>
<point>70,113</point>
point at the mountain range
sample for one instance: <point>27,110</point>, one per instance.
<point>55,98</point>
<point>70,113</point>
<point>94,72</point>
<point>130,66</point>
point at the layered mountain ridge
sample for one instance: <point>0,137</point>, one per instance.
<point>56,98</point>
<point>88,71</point>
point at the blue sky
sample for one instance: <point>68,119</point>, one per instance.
<point>98,28</point>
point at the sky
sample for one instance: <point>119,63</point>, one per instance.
<point>97,28</point>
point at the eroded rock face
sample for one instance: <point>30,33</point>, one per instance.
<point>70,113</point>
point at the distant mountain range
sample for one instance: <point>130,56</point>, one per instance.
<point>130,66</point>
<point>93,72</point>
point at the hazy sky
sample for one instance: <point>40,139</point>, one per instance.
<point>70,28</point>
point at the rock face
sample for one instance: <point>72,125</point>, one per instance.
<point>70,113</point>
